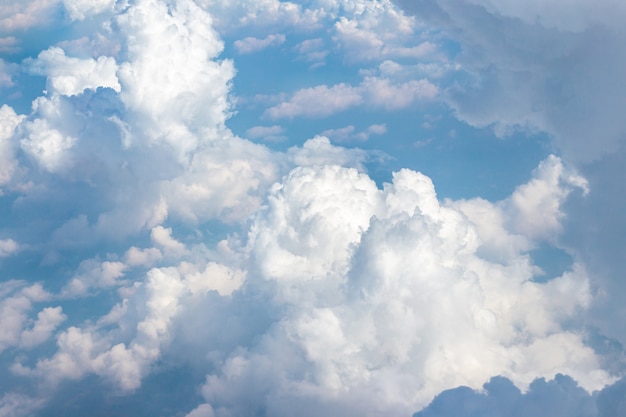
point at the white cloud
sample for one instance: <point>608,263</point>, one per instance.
<point>223,181</point>
<point>313,50</point>
<point>46,145</point>
<point>83,351</point>
<point>172,81</point>
<point>532,213</point>
<point>380,92</point>
<point>142,257</point>
<point>47,321</point>
<point>8,247</point>
<point>535,206</point>
<point>323,101</point>
<point>319,151</point>
<point>215,277</point>
<point>267,133</point>
<point>8,163</point>
<point>231,16</point>
<point>19,405</point>
<point>7,70</point>
<point>93,274</point>
<point>203,410</point>
<point>382,37</point>
<point>14,310</point>
<point>13,317</point>
<point>251,44</point>
<point>349,133</point>
<point>319,101</point>
<point>26,14</point>
<point>81,9</point>
<point>392,299</point>
<point>70,76</point>
<point>163,238</point>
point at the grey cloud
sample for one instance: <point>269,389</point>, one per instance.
<point>528,72</point>
<point>559,397</point>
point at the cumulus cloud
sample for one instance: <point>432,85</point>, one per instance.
<point>46,145</point>
<point>70,76</point>
<point>390,294</point>
<point>250,44</point>
<point>174,51</point>
<point>93,274</point>
<point>47,321</point>
<point>17,301</point>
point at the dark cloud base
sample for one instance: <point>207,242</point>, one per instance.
<point>560,397</point>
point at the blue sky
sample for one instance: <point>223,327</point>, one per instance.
<point>212,208</point>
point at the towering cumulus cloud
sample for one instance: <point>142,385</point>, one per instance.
<point>154,262</point>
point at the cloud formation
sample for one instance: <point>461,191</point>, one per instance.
<point>147,236</point>
<point>550,67</point>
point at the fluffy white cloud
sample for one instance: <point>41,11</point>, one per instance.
<point>17,301</point>
<point>163,238</point>
<point>70,76</point>
<point>93,274</point>
<point>393,298</point>
<point>535,207</point>
<point>46,145</point>
<point>47,321</point>
<point>223,180</point>
<point>172,82</point>
<point>251,44</point>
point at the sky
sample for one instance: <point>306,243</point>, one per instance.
<point>216,208</point>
